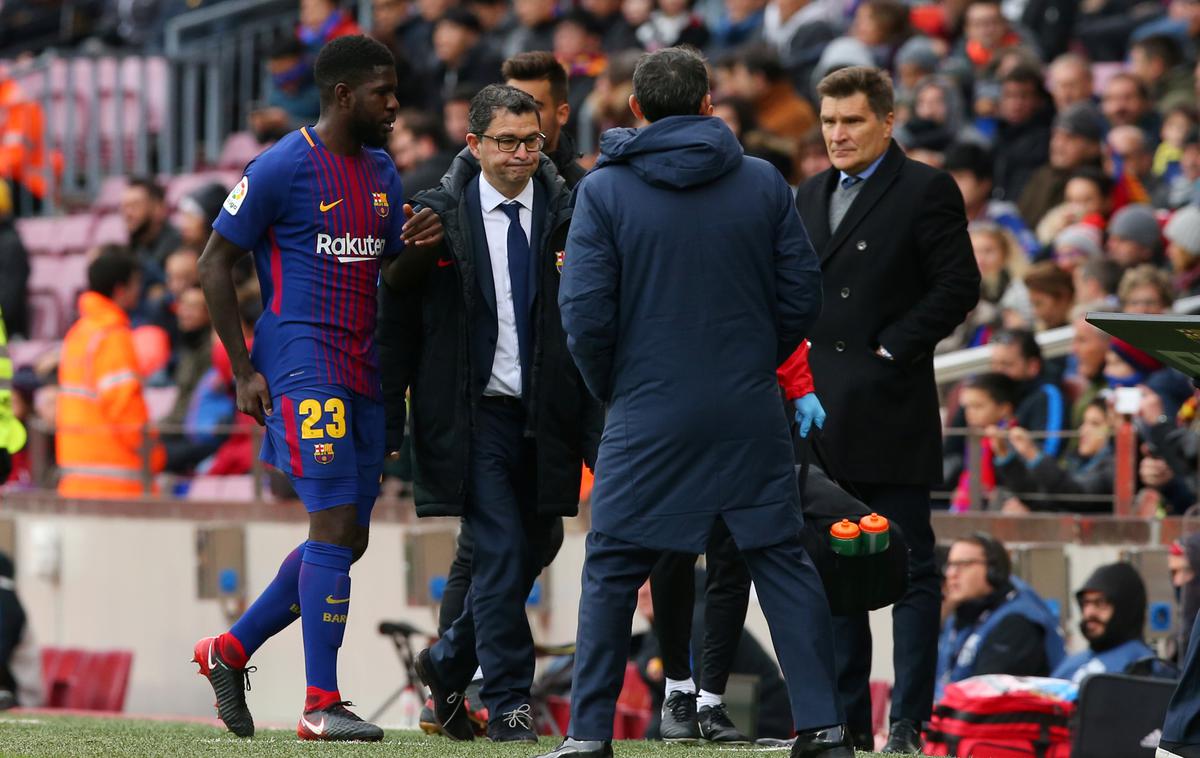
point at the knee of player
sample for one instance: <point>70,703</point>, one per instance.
<point>359,546</point>
<point>336,526</point>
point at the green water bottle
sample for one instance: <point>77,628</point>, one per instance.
<point>845,538</point>
<point>875,531</point>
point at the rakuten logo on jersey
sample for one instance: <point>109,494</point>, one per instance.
<point>348,249</point>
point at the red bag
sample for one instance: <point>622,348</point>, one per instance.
<point>1000,716</point>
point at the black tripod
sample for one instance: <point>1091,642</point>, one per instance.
<point>400,632</point>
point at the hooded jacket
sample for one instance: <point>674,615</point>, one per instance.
<point>688,279</point>
<point>1121,643</point>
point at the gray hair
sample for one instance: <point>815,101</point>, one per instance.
<point>495,97</point>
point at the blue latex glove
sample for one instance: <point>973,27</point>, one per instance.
<point>809,412</point>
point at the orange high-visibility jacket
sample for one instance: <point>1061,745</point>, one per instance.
<point>101,411</point>
<point>23,152</point>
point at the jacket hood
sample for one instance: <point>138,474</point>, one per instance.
<point>676,152</point>
<point>1121,584</point>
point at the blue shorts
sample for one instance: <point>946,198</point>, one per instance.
<point>330,441</point>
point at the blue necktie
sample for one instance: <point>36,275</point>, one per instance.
<point>519,257</point>
<point>850,181</point>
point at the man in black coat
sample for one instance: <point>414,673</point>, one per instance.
<point>899,275</point>
<point>501,420</point>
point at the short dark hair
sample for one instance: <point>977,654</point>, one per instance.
<point>496,97</point>
<point>538,65</point>
<point>1000,388</point>
<point>285,46</point>
<point>1046,277</point>
<point>875,83</point>
<point>113,266</point>
<point>423,124</point>
<point>670,82</point>
<point>892,18</point>
<point>1106,272</point>
<point>1023,73</point>
<point>759,58</point>
<point>1161,47</point>
<point>971,157</point>
<point>1142,90</point>
<point>747,116</point>
<point>1022,338</point>
<point>351,61</point>
<point>152,188</point>
<point>1096,176</point>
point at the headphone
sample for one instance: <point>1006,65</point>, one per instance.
<point>999,565</point>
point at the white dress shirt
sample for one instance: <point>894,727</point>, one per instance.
<point>506,366</point>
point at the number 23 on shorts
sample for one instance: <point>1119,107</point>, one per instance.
<point>333,414</point>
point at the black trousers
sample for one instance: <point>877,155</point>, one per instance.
<point>914,619</point>
<point>727,596</point>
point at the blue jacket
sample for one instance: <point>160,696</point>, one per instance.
<point>688,278</point>
<point>958,648</point>
<point>1114,660</point>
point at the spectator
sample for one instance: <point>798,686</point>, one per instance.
<point>971,166</point>
<point>998,625</point>
<point>1087,469</point>
<point>1127,366</point>
<point>20,663</point>
<point>1167,469</point>
<point>455,115</point>
<point>1039,402</point>
<point>291,87</point>
<point>322,21</point>
<point>1076,245</point>
<point>144,209</point>
<point>1112,604</point>
<point>1089,348</point>
<point>1183,249</point>
<point>536,20</point>
<point>797,30</point>
<point>14,262</point>
<point>883,26</point>
<point>1096,283</point>
<point>916,59</point>
<point>1000,264</point>
<point>986,33</point>
<point>181,272</point>
<point>1126,102</point>
<point>418,146</point>
<point>1131,165</point>
<point>814,156</point>
<point>268,124</point>
<point>1087,201</point>
<point>1158,64</point>
<point>615,32</point>
<point>196,214</point>
<point>1070,81</point>
<point>938,103</point>
<point>740,22</point>
<point>1023,136</point>
<point>23,152</point>
<point>101,413</point>
<point>540,75</point>
<point>671,23</point>
<point>1133,236</point>
<point>1074,142</point>
<point>496,21</point>
<point>193,359</point>
<point>987,401</point>
<point>578,41</point>
<point>1051,293</point>
<point>391,23</point>
<point>460,58</point>
<point>759,77</point>
<point>1180,176</point>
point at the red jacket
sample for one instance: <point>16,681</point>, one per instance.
<point>794,375</point>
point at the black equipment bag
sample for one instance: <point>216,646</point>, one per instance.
<point>1120,716</point>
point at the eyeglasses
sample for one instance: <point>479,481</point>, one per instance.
<point>533,143</point>
<point>959,565</point>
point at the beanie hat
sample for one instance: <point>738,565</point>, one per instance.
<point>1082,120</point>
<point>1082,237</point>
<point>1184,229</point>
<point>1136,223</point>
<point>1138,359</point>
<point>918,51</point>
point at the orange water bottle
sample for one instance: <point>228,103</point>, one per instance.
<point>845,538</point>
<point>875,536</point>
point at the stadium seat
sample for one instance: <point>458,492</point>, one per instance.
<point>108,199</point>
<point>237,487</point>
<point>47,321</point>
<point>110,230</point>
<point>184,184</point>
<point>39,235</point>
<point>239,149</point>
<point>29,352</point>
<point>74,232</point>
<point>84,679</point>
<point>160,401</point>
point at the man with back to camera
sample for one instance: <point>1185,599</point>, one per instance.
<point>899,275</point>
<point>677,321</point>
<point>320,210</point>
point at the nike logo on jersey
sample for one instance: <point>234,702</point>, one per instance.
<point>330,206</point>
<point>332,601</point>
<point>318,728</point>
<point>444,262</point>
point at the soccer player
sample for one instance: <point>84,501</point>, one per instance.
<point>320,210</point>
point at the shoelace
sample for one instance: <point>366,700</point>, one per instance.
<point>720,716</point>
<point>246,675</point>
<point>343,706</point>
<point>522,716</point>
<point>678,705</point>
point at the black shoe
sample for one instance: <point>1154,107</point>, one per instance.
<point>830,742</point>
<point>513,726</point>
<point>1176,750</point>
<point>904,738</point>
<point>7,700</point>
<point>716,726</point>
<point>864,741</point>
<point>679,718</point>
<point>573,748</point>
<point>229,685</point>
<point>336,724</point>
<point>449,708</point>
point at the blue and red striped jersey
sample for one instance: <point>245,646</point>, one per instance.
<point>319,225</point>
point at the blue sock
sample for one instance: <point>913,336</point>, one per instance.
<point>276,608</point>
<point>324,605</point>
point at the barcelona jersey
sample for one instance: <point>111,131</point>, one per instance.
<point>319,225</point>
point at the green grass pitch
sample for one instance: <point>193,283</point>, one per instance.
<point>41,736</point>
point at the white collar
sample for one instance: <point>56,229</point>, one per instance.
<point>491,198</point>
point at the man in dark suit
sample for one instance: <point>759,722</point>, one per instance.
<point>501,420</point>
<point>899,275</point>
<point>688,279</point>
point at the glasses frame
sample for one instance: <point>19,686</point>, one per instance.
<point>539,136</point>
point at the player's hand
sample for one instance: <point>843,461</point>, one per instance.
<point>254,397</point>
<point>422,229</point>
<point>809,411</point>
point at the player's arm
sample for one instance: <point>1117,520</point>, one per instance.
<point>216,278</point>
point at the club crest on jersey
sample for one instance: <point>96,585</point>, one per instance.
<point>323,452</point>
<point>558,260</point>
<point>379,200</point>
